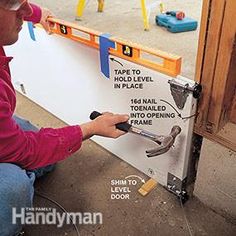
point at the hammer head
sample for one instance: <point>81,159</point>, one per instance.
<point>165,142</point>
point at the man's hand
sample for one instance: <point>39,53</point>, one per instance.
<point>45,14</point>
<point>104,125</point>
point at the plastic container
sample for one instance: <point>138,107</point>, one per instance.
<point>174,25</point>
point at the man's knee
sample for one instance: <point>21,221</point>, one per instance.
<point>15,185</point>
<point>16,191</point>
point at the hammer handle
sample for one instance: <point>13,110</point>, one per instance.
<point>175,131</point>
<point>124,126</point>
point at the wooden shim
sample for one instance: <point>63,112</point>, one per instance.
<point>147,187</point>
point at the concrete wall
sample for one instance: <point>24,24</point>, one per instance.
<point>216,179</point>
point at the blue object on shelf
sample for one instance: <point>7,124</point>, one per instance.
<point>174,25</point>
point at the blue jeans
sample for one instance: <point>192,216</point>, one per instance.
<point>16,189</point>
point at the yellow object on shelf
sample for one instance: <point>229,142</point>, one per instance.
<point>145,15</point>
<point>145,10</point>
<point>100,5</point>
<point>80,8</point>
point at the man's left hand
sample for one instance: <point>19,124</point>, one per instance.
<point>45,14</point>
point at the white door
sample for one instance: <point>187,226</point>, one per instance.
<point>65,78</point>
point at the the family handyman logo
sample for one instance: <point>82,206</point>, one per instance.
<point>50,216</point>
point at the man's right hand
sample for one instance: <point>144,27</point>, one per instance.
<point>104,125</point>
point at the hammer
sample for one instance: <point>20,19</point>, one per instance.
<point>165,142</point>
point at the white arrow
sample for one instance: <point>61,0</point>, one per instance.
<point>136,176</point>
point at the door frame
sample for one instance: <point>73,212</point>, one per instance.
<point>214,72</point>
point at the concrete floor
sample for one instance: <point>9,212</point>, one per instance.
<point>82,182</point>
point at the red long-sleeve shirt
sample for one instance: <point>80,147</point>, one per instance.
<point>28,149</point>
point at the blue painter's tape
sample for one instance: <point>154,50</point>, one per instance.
<point>31,31</point>
<point>105,44</point>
